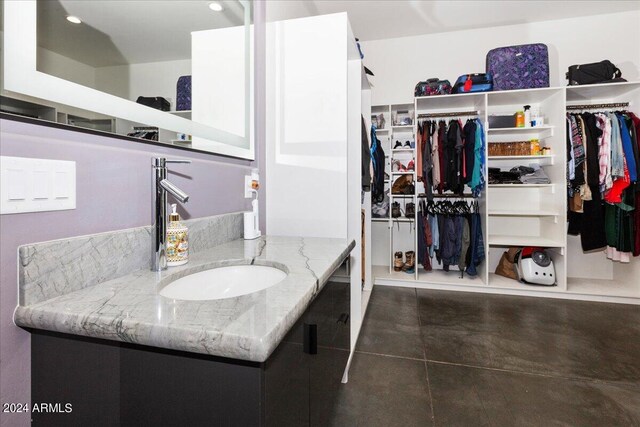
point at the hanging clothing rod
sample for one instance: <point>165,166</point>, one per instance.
<point>448,196</point>
<point>151,128</point>
<point>454,114</point>
<point>597,106</point>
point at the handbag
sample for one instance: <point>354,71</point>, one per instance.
<point>470,83</point>
<point>432,87</point>
<point>157,102</point>
<point>596,72</point>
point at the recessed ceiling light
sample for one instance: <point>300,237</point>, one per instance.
<point>74,19</point>
<point>216,7</point>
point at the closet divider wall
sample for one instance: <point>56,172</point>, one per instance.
<point>532,214</point>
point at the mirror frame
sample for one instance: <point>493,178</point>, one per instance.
<point>21,76</point>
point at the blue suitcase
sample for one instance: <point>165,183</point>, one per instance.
<point>471,83</point>
<point>183,96</point>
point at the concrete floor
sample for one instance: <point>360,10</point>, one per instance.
<point>466,359</point>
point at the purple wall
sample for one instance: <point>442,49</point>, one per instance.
<point>113,179</point>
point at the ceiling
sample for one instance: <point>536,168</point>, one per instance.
<point>379,19</point>
<point>118,32</point>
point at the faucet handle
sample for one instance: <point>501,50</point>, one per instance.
<point>161,162</point>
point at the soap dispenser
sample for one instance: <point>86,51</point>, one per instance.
<point>177,240</point>
<point>251,219</point>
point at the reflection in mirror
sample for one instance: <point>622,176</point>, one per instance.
<point>190,59</point>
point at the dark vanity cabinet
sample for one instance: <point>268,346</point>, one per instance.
<point>111,383</point>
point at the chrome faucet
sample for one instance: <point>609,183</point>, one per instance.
<point>162,186</point>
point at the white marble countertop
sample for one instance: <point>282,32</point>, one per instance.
<point>130,308</point>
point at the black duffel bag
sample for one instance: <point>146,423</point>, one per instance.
<point>597,72</point>
<point>157,102</point>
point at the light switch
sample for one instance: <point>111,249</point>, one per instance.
<point>17,184</point>
<point>62,185</point>
<point>41,184</point>
<point>34,185</point>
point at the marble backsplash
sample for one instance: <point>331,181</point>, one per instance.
<point>57,267</point>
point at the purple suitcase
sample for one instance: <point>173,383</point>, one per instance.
<point>519,67</point>
<point>183,95</point>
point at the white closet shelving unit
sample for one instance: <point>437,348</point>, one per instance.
<point>400,231</point>
<point>529,214</point>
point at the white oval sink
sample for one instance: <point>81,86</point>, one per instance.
<point>223,282</point>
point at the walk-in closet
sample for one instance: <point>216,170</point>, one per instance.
<point>522,214</point>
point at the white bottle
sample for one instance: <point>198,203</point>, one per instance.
<point>527,116</point>
<point>177,251</point>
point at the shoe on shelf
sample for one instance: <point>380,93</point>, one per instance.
<point>409,190</point>
<point>407,144</point>
<point>395,210</point>
<point>410,165</point>
<point>398,145</point>
<point>386,176</point>
<point>396,166</point>
<point>398,265</point>
<point>410,264</point>
<point>410,210</point>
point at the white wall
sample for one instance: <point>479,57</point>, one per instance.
<point>148,79</point>
<point>66,68</point>
<point>398,64</point>
<point>306,135</point>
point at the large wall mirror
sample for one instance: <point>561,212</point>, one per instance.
<point>91,61</point>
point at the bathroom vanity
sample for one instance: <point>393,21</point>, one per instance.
<point>120,353</point>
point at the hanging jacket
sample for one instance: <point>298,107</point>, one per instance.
<point>578,152</point>
<point>636,245</point>
<point>378,160</point>
<point>366,158</point>
<point>627,148</point>
<point>469,150</point>
<point>433,131</point>
<point>476,245</point>
<point>477,177</point>
<point>593,133</point>
<point>442,136</point>
<point>464,245</point>
<point>427,163</point>
<point>435,233</point>
<point>419,144</point>
<point>453,148</point>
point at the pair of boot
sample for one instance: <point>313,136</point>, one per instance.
<point>410,211</point>
<point>408,266</point>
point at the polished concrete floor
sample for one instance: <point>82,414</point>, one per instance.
<point>464,359</point>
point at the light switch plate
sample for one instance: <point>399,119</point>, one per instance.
<point>36,185</point>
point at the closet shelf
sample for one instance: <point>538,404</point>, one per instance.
<point>403,173</point>
<point>497,281</point>
<point>499,240</point>
<point>382,130</point>
<point>402,219</point>
<point>520,185</point>
<point>402,150</point>
<point>182,113</point>
<point>403,196</point>
<point>520,129</point>
<point>532,157</point>
<point>523,213</point>
<point>601,91</point>
<point>380,219</point>
<point>440,277</point>
<point>402,126</point>
<point>615,288</point>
